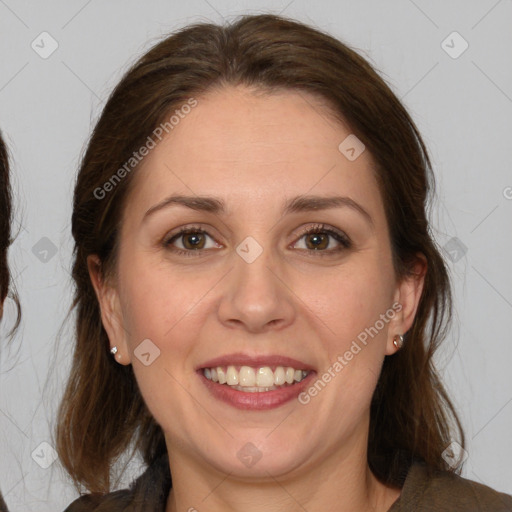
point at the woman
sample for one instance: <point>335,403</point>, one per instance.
<point>254,279</point>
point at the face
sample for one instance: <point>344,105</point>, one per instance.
<point>249,287</point>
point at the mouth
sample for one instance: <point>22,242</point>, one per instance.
<point>255,379</point>
<point>255,383</point>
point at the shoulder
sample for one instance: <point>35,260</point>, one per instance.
<point>444,491</point>
<point>3,506</point>
<point>100,502</point>
<point>147,494</point>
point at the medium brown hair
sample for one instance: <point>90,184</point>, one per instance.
<point>102,413</point>
<point>5,219</point>
<point>6,215</point>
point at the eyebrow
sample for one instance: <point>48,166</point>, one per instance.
<point>294,205</point>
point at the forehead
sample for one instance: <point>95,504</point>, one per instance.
<point>251,147</point>
<point>273,127</point>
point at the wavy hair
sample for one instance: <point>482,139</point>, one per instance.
<point>102,412</point>
<point>6,214</point>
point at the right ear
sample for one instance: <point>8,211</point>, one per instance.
<point>110,307</point>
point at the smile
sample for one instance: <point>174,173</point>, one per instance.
<point>255,379</point>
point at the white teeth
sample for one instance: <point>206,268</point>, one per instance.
<point>254,379</point>
<point>279,376</point>
<point>265,377</point>
<point>247,376</point>
<point>221,375</point>
<point>232,376</point>
<point>254,389</point>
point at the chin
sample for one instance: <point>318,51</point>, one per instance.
<point>258,457</point>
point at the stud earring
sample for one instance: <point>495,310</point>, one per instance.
<point>113,351</point>
<point>398,341</point>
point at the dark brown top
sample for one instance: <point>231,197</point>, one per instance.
<point>445,491</point>
<point>3,506</point>
<point>439,491</point>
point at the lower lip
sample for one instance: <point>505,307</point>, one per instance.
<point>259,400</point>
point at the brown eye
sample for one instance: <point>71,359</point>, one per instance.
<point>318,239</point>
<point>191,241</point>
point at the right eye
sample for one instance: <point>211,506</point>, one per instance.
<point>192,240</point>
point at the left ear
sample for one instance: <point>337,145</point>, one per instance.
<point>408,295</point>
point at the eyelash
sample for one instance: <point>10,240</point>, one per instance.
<point>317,229</point>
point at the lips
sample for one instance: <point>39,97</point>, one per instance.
<point>255,392</point>
<point>239,359</point>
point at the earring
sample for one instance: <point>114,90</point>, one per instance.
<point>113,351</point>
<point>398,341</point>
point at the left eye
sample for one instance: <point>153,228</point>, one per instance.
<point>318,238</point>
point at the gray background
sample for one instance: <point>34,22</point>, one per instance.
<point>463,108</point>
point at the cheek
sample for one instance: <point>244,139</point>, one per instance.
<point>156,302</point>
<point>348,313</point>
<point>348,302</point>
<point>161,307</point>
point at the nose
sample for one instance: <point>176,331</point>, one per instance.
<point>256,295</point>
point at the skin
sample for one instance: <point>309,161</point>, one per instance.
<point>254,151</point>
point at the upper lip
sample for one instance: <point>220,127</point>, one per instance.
<point>256,361</point>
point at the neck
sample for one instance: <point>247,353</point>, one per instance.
<point>344,479</point>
